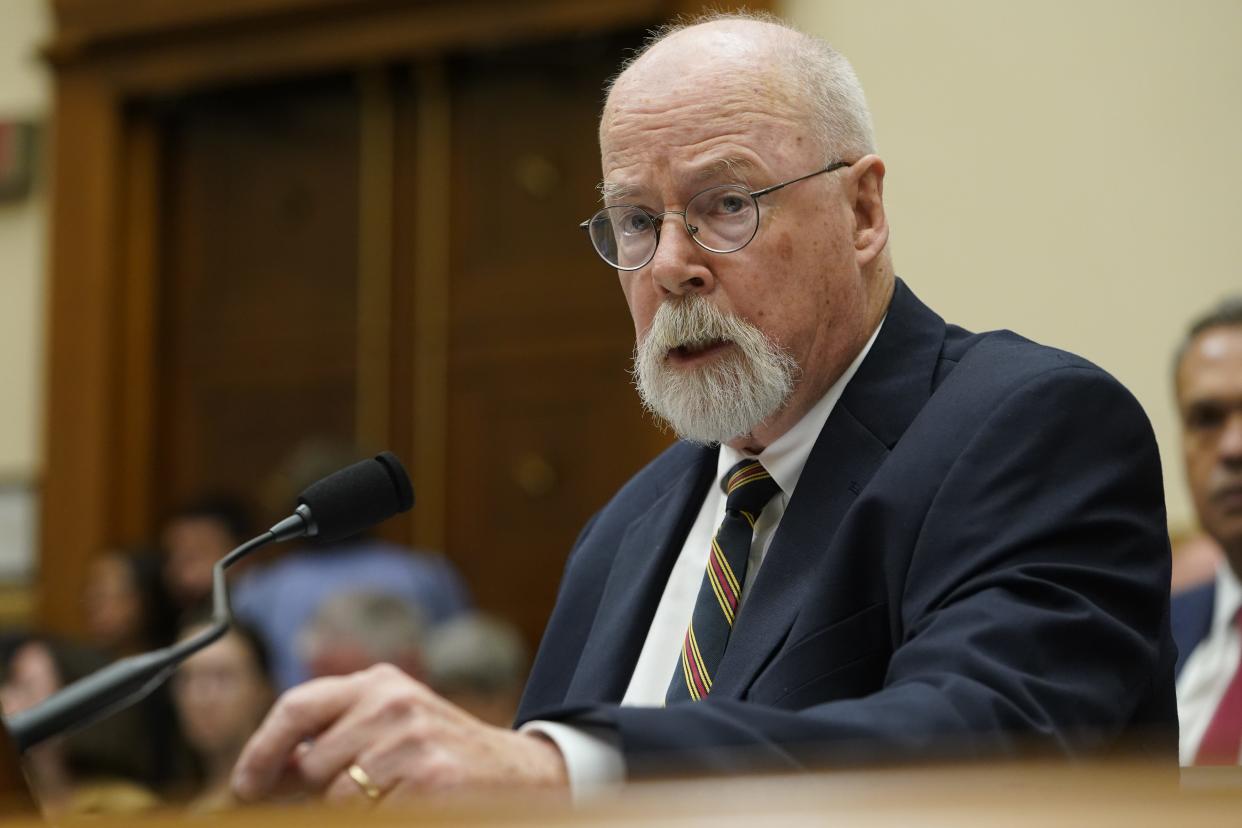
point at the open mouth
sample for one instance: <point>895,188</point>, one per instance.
<point>693,351</point>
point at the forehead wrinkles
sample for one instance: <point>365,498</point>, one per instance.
<point>657,137</point>
<point>679,90</point>
<point>698,94</point>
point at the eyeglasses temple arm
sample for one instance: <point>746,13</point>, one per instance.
<point>836,165</point>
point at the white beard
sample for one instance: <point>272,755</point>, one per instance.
<point>729,396</point>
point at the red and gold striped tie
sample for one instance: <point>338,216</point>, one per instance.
<point>748,487</point>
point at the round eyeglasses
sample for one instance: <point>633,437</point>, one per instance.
<point>721,219</point>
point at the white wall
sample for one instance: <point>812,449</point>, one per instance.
<point>24,93</point>
<point>1070,169</point>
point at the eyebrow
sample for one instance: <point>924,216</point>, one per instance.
<point>612,191</point>
<point>730,167</point>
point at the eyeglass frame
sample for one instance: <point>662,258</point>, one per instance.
<point>657,219</point>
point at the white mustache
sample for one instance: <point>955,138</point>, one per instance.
<point>691,321</point>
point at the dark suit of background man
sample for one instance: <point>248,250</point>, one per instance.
<point>967,553</point>
<point>1208,378</point>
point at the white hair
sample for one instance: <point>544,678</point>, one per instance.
<point>476,652</point>
<point>383,626</point>
<point>817,76</point>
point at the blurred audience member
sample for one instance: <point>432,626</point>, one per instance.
<point>194,537</point>
<point>1195,558</point>
<point>355,630</point>
<point>126,608</point>
<point>1207,620</point>
<point>127,612</point>
<point>478,662</point>
<point>105,768</point>
<point>221,695</point>
<point>279,597</point>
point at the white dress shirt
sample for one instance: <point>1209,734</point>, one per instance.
<point>592,757</point>
<point>1207,672</point>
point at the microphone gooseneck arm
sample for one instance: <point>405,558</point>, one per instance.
<point>131,679</point>
<point>341,504</point>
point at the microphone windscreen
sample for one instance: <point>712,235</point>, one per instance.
<point>358,496</point>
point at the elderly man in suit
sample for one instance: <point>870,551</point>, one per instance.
<point>1208,377</point>
<point>881,536</point>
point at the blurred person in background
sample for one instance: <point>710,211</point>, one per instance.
<point>126,607</point>
<point>279,596</point>
<point>194,537</point>
<point>109,767</point>
<point>479,663</point>
<point>1207,620</point>
<point>127,611</point>
<point>355,630</point>
<point>221,694</point>
<point>1195,558</point>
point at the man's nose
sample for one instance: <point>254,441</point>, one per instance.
<point>679,265</point>
<point>1230,445</point>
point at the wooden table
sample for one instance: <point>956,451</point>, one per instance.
<point>1011,794</point>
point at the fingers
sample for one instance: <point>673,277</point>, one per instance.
<point>393,762</point>
<point>392,708</point>
<point>356,786</point>
<point>399,771</point>
<point>406,739</point>
<point>300,714</point>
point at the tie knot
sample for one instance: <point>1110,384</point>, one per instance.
<point>748,488</point>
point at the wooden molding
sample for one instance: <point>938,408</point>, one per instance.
<point>91,23</point>
<point>79,494</point>
<point>168,60</point>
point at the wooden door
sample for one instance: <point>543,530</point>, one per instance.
<point>258,325</point>
<point>543,423</point>
<point>514,332</point>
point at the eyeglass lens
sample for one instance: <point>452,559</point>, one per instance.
<point>720,219</point>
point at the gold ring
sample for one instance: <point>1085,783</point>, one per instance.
<point>364,781</point>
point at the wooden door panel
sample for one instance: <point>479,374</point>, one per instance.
<point>537,448</point>
<point>525,176</point>
<point>543,423</point>
<point>259,327</point>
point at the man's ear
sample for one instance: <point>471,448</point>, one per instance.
<point>870,220</point>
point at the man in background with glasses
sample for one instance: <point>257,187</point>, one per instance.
<point>880,536</point>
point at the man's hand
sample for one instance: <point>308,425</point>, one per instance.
<point>407,739</point>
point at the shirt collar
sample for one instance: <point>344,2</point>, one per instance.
<point>1228,598</point>
<point>787,454</point>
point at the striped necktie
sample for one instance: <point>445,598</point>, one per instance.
<point>748,488</point>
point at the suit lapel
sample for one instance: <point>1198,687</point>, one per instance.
<point>890,388</point>
<point>635,583</point>
<point>843,460</point>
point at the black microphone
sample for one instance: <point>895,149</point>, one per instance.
<point>341,504</point>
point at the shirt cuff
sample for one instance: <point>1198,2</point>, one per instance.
<point>593,758</point>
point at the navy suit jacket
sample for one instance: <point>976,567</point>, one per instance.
<point>1191,619</point>
<point>975,560</point>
